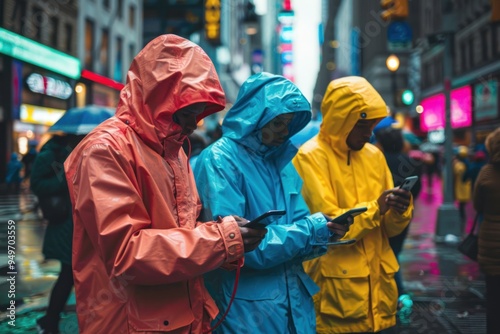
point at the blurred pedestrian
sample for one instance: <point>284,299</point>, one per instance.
<point>249,171</point>
<point>391,141</point>
<point>13,178</point>
<point>461,184</point>
<point>28,160</point>
<point>341,170</point>
<point>139,251</point>
<point>479,159</point>
<point>486,200</point>
<point>48,182</point>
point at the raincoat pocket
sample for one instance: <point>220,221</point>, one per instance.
<point>388,291</point>
<point>257,286</point>
<point>346,291</point>
<point>148,311</point>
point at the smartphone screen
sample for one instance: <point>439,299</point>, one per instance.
<point>342,219</point>
<point>408,183</point>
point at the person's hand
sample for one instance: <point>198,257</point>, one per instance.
<point>339,230</point>
<point>398,200</point>
<point>382,201</point>
<point>251,237</point>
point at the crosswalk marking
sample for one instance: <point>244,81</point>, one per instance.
<point>22,206</point>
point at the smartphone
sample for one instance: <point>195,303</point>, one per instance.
<point>409,182</point>
<point>340,242</point>
<point>342,219</point>
<point>257,222</point>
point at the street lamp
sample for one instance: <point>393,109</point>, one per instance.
<point>392,63</point>
<point>448,218</point>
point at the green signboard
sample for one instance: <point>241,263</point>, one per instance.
<point>486,100</point>
<point>22,48</point>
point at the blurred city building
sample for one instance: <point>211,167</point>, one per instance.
<point>363,41</point>
<point>363,37</point>
<point>109,36</point>
<point>59,54</point>
<point>475,64</point>
<point>72,53</point>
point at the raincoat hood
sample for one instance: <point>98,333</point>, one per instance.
<point>493,146</point>
<point>170,73</point>
<point>346,101</point>
<point>261,98</point>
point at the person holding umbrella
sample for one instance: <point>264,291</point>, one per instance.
<point>139,249</point>
<point>48,183</point>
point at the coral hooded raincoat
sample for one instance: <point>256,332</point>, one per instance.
<point>139,252</point>
<point>239,174</point>
<point>357,288</point>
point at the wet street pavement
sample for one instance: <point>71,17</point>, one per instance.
<point>447,288</point>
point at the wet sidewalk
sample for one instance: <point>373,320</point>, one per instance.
<point>447,288</point>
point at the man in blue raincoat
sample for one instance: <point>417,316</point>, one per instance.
<point>248,172</point>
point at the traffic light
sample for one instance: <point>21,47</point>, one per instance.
<point>394,9</point>
<point>407,97</point>
<point>404,98</point>
<point>495,10</point>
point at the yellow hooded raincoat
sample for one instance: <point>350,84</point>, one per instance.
<point>358,292</point>
<point>138,251</point>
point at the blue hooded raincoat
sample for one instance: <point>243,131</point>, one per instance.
<point>241,176</point>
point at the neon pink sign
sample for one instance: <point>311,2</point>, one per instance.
<point>433,116</point>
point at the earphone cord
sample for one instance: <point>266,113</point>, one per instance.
<point>240,264</point>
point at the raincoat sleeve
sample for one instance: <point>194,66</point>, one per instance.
<point>282,242</point>
<point>117,222</point>
<point>393,222</point>
<point>321,196</point>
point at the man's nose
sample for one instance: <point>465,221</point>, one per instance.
<point>285,131</point>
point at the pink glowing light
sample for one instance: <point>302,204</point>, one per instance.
<point>433,116</point>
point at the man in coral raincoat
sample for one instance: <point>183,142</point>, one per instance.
<point>138,250</point>
<point>341,170</point>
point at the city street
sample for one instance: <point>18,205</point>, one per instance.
<point>448,289</point>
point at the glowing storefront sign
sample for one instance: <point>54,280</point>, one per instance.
<point>486,100</point>
<point>22,48</point>
<point>40,115</point>
<point>38,83</point>
<point>212,21</point>
<point>433,116</point>
<point>286,43</point>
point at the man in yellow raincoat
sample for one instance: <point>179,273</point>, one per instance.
<point>341,170</point>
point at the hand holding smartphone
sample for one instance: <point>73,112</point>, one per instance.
<point>257,222</point>
<point>342,219</point>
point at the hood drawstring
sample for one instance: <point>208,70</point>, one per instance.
<point>349,158</point>
<point>189,152</point>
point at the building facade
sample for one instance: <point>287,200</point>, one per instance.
<point>58,55</point>
<point>110,35</point>
<point>38,72</point>
<point>475,70</point>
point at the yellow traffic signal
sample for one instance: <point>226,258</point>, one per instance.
<point>495,10</point>
<point>394,9</point>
